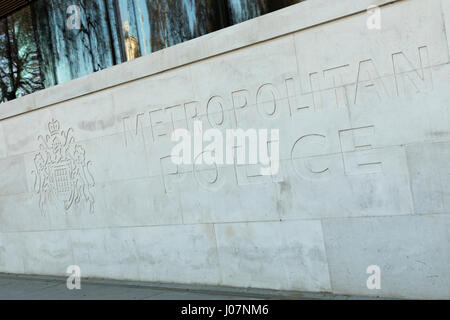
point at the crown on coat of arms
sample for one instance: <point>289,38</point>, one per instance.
<point>53,127</point>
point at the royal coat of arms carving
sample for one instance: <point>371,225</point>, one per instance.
<point>62,175</point>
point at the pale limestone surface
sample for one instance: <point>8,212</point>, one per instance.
<point>364,146</point>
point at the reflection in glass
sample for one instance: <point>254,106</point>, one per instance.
<point>5,67</point>
<point>242,10</point>
<point>131,43</point>
<point>176,21</point>
<point>20,72</point>
<point>38,50</point>
<point>150,25</point>
<point>129,34</point>
<point>73,53</point>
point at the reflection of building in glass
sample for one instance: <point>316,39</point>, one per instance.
<point>131,44</point>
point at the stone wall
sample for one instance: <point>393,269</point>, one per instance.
<point>363,118</point>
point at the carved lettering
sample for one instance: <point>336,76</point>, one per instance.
<point>410,78</point>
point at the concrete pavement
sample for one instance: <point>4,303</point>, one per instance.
<point>19,287</point>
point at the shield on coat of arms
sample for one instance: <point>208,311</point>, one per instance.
<point>61,181</point>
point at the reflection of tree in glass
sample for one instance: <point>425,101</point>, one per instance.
<point>158,13</point>
<point>37,48</point>
<point>96,38</point>
<point>175,21</point>
<point>209,17</point>
<point>5,74</point>
<point>242,10</point>
<point>20,72</point>
<point>73,53</point>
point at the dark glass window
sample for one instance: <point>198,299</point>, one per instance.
<point>20,61</point>
<point>39,46</point>
<point>242,10</point>
<point>73,53</point>
<point>149,25</point>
